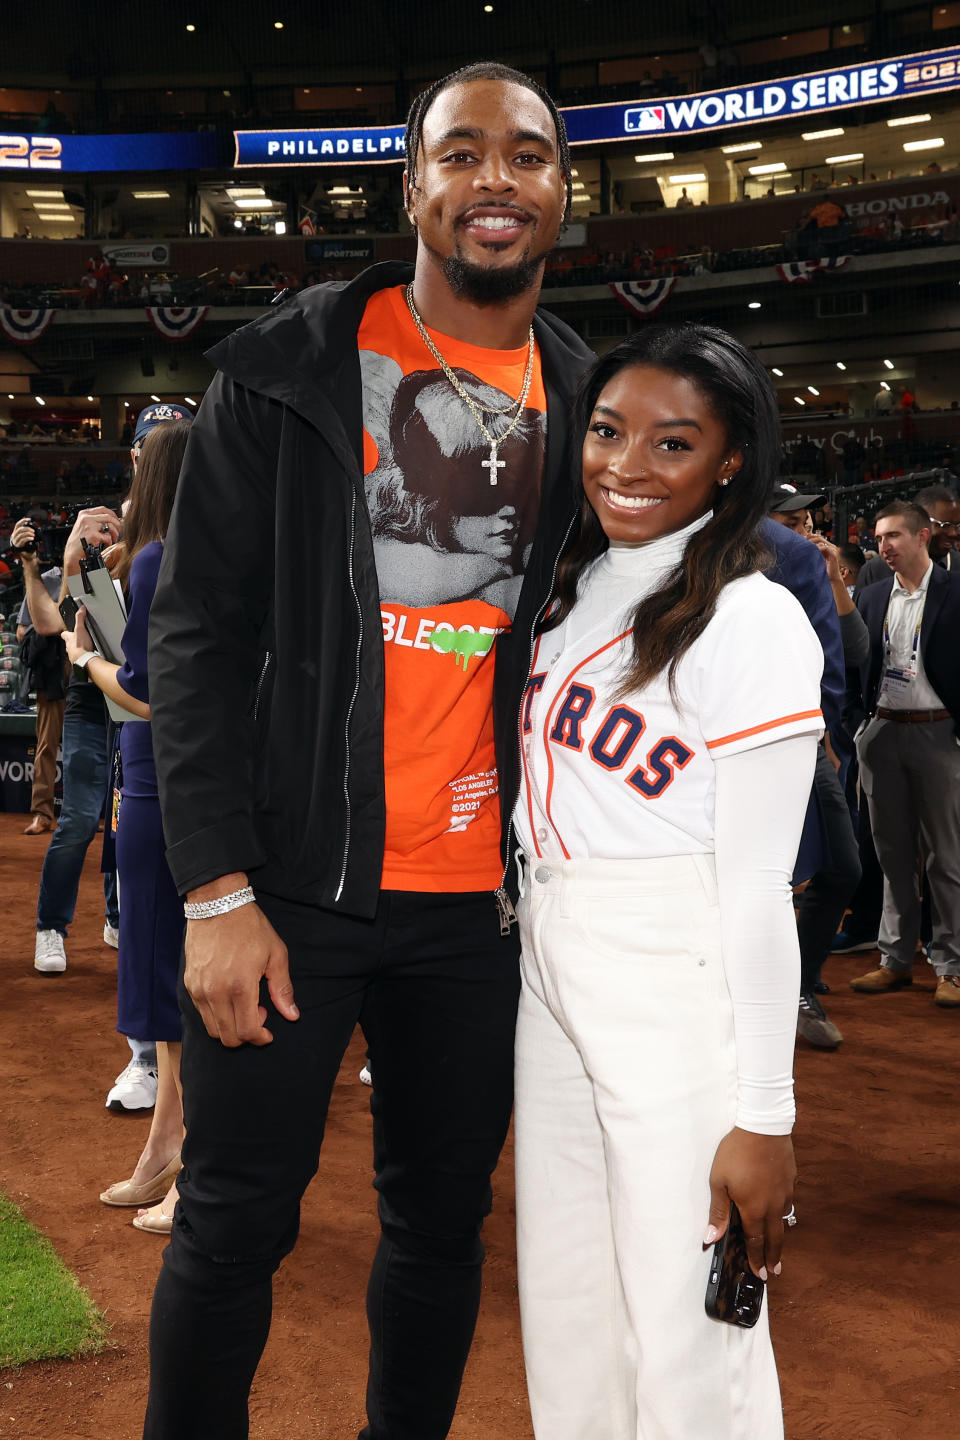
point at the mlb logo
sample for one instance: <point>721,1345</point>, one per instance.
<point>644,119</point>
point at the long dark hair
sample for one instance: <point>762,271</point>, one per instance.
<point>151,494</point>
<point>739,393</point>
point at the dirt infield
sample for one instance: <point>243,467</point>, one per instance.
<point>863,1318</point>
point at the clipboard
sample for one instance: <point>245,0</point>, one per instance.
<point>106,618</point>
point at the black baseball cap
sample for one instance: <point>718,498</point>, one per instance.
<point>787,497</point>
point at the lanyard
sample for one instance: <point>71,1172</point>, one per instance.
<point>887,647</point>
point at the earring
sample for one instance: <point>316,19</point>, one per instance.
<point>725,480</point>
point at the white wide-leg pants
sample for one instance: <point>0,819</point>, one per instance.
<point>626,1083</point>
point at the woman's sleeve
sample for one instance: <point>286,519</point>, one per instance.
<point>762,796</point>
<point>132,675</point>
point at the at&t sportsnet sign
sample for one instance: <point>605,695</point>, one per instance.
<point>815,94</point>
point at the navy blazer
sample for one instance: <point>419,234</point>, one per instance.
<point>798,567</point>
<point>939,638</point>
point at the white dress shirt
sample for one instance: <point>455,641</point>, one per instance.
<point>903,681</point>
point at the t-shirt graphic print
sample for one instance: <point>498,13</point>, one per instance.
<point>451,547</point>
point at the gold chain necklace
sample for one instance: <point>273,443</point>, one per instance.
<point>493,464</point>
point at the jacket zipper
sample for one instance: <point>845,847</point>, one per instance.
<point>263,676</point>
<point>508,915</point>
<point>353,701</point>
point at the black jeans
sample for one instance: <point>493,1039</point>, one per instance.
<point>825,899</point>
<point>434,986</point>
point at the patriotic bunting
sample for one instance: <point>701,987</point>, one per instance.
<point>25,327</point>
<point>643,297</point>
<point>176,322</point>
<point>802,271</point>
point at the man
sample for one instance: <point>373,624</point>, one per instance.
<point>852,561</point>
<point>943,507</point>
<point>45,664</point>
<point>84,755</point>
<point>327,727</point>
<point>835,877</point>
<point>792,509</point>
<point>908,751</point>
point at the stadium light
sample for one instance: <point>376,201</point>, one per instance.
<point>884,385</point>
<point>156,398</point>
<point>813,390</point>
<point>776,371</point>
<point>799,399</point>
<point>821,134</point>
<point>654,159</point>
<point>840,365</point>
<point>889,364</point>
<point>742,149</point>
<point>753,305</point>
<point>909,120</point>
<point>39,399</point>
<point>693,178</point>
<point>924,144</point>
<point>189,401</point>
<point>777,168</point>
<point>843,159</point>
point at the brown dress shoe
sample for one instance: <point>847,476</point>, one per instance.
<point>39,825</point>
<point>877,982</point>
<point>948,991</point>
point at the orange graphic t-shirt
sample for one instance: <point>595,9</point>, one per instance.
<point>451,547</point>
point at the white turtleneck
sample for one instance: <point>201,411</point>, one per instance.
<point>747,726</point>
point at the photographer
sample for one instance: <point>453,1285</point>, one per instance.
<point>44,664</point>
<point>84,752</point>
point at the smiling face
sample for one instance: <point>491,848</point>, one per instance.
<point>488,197</point>
<point>653,455</point>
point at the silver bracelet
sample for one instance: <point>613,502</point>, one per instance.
<point>204,909</point>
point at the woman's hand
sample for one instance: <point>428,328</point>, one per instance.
<point>757,1173</point>
<point>77,640</point>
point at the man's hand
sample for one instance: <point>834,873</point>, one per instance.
<point>98,526</point>
<point>226,957</point>
<point>24,534</point>
<point>757,1173</point>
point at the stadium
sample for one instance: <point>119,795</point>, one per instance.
<point>790,177</point>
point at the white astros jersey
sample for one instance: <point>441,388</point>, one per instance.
<point>609,777</point>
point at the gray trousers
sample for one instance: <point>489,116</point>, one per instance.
<point>910,775</point>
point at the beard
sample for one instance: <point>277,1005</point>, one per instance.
<point>491,284</point>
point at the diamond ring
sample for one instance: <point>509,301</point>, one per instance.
<point>791,1219</point>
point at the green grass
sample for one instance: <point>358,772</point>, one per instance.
<point>44,1312</point>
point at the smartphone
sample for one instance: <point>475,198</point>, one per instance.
<point>68,608</point>
<point>734,1293</point>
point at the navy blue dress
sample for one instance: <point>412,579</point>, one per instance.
<point>151,911</point>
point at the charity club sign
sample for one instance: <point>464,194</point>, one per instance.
<point>818,93</point>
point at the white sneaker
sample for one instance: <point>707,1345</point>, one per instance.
<point>365,1077</point>
<point>135,1088</point>
<point>49,956</point>
<point>111,936</point>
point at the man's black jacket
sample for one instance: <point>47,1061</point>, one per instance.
<point>266,652</point>
<point>939,638</point>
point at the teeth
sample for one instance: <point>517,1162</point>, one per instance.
<point>632,502</point>
<point>495,222</point>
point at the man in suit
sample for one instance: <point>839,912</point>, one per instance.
<point>909,750</point>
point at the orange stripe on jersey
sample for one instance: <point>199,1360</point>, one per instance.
<point>770,725</point>
<point>546,726</point>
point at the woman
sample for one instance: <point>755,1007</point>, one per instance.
<point>669,736</point>
<point>151,916</point>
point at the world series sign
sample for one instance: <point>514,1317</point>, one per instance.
<point>823,91</point>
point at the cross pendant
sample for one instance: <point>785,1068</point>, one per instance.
<point>493,464</point>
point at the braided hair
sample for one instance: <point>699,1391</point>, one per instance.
<point>483,70</point>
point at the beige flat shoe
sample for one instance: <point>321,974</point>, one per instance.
<point>155,1221</point>
<point>124,1192</point>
